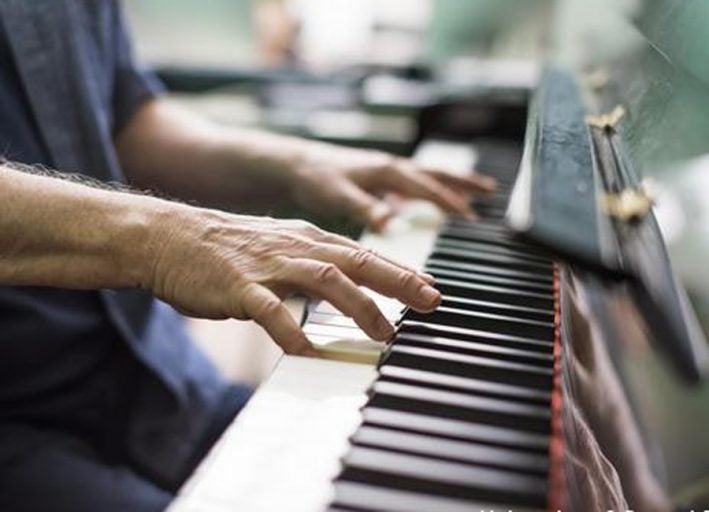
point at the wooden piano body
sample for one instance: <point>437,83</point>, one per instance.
<point>565,368</point>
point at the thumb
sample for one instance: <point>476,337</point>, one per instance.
<point>366,208</point>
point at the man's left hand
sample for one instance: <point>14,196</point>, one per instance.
<point>331,179</point>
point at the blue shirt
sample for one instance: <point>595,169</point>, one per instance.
<point>81,359</point>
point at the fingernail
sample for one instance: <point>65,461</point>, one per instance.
<point>385,328</point>
<point>430,296</point>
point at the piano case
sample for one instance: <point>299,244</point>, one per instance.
<point>578,195</point>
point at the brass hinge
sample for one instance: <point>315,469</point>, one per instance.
<point>629,204</point>
<point>608,120</point>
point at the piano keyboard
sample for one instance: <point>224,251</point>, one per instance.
<point>459,415</point>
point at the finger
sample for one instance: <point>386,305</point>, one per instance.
<point>422,186</point>
<point>366,268</point>
<point>326,281</point>
<point>428,278</point>
<point>366,208</point>
<point>264,307</point>
<point>476,183</point>
<point>334,239</point>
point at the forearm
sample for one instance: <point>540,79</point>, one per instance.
<point>167,148</point>
<point>60,233</point>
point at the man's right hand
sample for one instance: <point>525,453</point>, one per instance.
<point>206,263</point>
<point>216,265</point>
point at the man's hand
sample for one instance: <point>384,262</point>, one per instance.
<point>332,179</point>
<point>204,262</point>
<point>216,265</point>
<point>166,148</point>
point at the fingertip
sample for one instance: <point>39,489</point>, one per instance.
<point>430,298</point>
<point>385,331</point>
<point>488,183</point>
<point>303,347</point>
<point>311,352</point>
<point>379,215</point>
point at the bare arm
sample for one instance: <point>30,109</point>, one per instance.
<point>204,262</point>
<point>167,148</point>
<point>56,232</point>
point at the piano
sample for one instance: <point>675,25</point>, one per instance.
<point>565,367</point>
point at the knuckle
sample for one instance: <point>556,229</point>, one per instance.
<point>295,243</point>
<point>362,258</point>
<point>404,165</point>
<point>337,240</point>
<point>262,306</point>
<point>268,307</point>
<point>407,279</point>
<point>391,161</point>
<point>326,273</point>
<point>305,227</point>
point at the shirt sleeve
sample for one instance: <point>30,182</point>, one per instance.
<point>133,83</point>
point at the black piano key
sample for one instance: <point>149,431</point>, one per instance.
<point>458,384</point>
<point>457,451</point>
<point>495,294</point>
<point>500,199</point>
<point>460,406</point>
<point>475,348</point>
<point>490,212</point>
<point>498,153</point>
<point>456,429</point>
<point>493,248</point>
<point>490,259</point>
<point>468,366</point>
<point>486,321</point>
<point>480,225</point>
<point>472,280</point>
<point>503,174</point>
<point>465,334</point>
<point>542,315</point>
<point>492,270</point>
<point>420,474</point>
<point>361,497</point>
<point>488,279</point>
<point>472,235</point>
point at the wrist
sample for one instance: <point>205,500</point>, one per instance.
<point>142,231</point>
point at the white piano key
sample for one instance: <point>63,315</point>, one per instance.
<point>283,450</point>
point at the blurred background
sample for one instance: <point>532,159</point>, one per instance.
<point>294,65</point>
